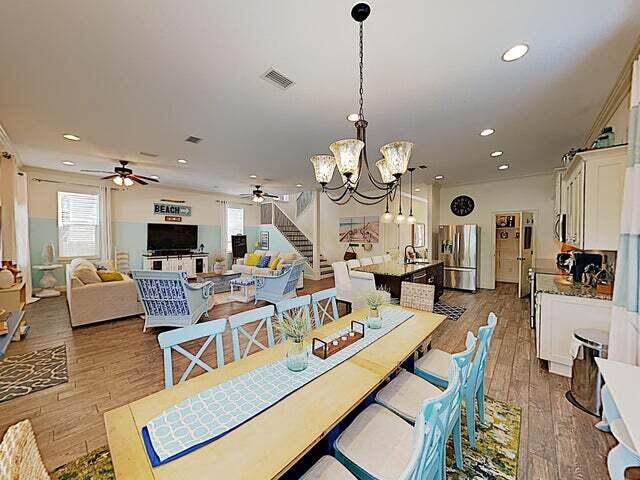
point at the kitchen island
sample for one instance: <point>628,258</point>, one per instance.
<point>390,275</point>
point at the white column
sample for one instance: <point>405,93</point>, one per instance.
<point>315,204</point>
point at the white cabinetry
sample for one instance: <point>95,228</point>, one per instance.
<point>557,317</point>
<point>192,264</point>
<point>593,188</point>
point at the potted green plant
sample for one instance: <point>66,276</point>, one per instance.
<point>375,299</point>
<point>220,264</point>
<point>295,327</point>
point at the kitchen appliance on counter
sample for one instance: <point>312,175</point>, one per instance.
<point>458,250</point>
<point>582,260</point>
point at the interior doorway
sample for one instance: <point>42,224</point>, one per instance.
<point>513,248</point>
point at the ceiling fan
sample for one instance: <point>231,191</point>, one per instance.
<point>123,175</point>
<point>257,195</point>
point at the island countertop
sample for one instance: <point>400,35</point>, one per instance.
<point>395,269</point>
<point>564,285</point>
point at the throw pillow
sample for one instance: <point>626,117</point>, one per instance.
<point>109,276</point>
<point>87,275</point>
<point>252,260</point>
<point>289,258</point>
<point>264,261</point>
<point>274,263</point>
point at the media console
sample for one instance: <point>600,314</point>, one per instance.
<point>191,263</point>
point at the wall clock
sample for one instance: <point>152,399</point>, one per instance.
<point>462,205</point>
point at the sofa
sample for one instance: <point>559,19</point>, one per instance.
<point>248,270</point>
<point>99,302</point>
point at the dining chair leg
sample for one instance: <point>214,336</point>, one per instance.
<point>457,443</point>
<point>480,398</point>
<point>619,459</point>
<point>470,405</point>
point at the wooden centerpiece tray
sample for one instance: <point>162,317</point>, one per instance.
<point>324,349</point>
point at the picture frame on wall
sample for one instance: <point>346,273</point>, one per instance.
<point>419,233</point>
<point>264,240</point>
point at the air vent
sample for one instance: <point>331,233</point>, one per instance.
<point>147,154</point>
<point>192,139</point>
<point>278,79</point>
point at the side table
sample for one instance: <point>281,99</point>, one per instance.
<point>240,290</point>
<point>48,281</point>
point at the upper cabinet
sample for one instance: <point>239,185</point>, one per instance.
<point>593,187</point>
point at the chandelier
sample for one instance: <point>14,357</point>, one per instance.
<point>350,156</point>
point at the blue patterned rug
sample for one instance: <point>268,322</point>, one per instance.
<point>453,312</point>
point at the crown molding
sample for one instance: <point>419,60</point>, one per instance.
<point>620,90</point>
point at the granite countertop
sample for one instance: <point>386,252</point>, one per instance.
<point>396,269</point>
<point>564,285</point>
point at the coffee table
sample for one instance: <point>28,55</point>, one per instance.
<point>240,290</point>
<point>220,281</point>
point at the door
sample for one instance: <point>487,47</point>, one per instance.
<point>525,253</point>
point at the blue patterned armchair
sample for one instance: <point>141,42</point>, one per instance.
<point>169,301</point>
<point>275,288</point>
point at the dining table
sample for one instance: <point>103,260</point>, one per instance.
<point>269,444</point>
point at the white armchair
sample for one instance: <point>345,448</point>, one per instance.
<point>275,288</point>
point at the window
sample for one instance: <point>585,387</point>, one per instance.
<point>77,225</point>
<point>235,224</point>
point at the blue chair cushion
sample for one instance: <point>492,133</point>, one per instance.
<point>264,261</point>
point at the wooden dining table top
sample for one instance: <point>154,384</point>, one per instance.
<point>268,445</point>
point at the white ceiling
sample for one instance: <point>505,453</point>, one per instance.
<point>130,76</point>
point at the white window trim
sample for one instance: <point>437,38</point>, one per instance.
<point>228,231</point>
<point>67,259</point>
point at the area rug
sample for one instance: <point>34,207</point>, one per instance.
<point>497,445</point>
<point>93,466</point>
<point>453,312</point>
<point>30,372</point>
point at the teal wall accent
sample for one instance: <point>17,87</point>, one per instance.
<point>252,236</point>
<point>132,237</point>
<point>42,231</point>
<point>210,236</point>
<point>277,241</point>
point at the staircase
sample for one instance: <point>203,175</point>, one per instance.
<point>270,213</point>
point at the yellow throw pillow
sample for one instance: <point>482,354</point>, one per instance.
<point>87,275</point>
<point>107,276</point>
<point>274,263</point>
<point>252,260</point>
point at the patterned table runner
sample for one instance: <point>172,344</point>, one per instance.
<point>212,413</point>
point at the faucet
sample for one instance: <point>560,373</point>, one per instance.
<point>409,254</point>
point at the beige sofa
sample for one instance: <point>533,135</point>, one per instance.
<point>247,270</point>
<point>98,302</point>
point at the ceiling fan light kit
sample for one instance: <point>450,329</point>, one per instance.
<point>350,155</point>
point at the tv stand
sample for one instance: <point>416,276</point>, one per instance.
<point>170,261</point>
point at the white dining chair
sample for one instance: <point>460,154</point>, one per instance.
<point>245,324</point>
<point>377,260</point>
<point>342,281</point>
<point>324,306</point>
<point>172,339</point>
<point>353,263</point>
<point>361,284</point>
<point>366,261</point>
<point>328,468</point>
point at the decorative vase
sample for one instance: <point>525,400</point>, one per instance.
<point>6,278</point>
<point>219,268</point>
<point>297,356</point>
<point>374,321</point>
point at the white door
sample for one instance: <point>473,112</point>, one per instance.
<point>525,254</point>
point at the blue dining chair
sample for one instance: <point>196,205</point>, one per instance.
<point>172,339</point>
<point>380,444</point>
<point>320,310</point>
<point>430,367</point>
<point>239,325</point>
<point>405,394</point>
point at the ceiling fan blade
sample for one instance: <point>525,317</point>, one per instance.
<point>136,179</point>
<point>145,178</point>
<point>269,195</point>
<point>97,171</point>
<point>109,177</point>
<point>246,195</point>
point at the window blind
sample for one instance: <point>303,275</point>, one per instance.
<point>78,222</point>
<point>235,224</point>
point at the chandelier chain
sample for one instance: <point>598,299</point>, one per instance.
<point>361,112</point>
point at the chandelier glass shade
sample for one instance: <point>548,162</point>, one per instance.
<point>347,155</point>
<point>397,155</point>
<point>386,175</point>
<point>323,166</point>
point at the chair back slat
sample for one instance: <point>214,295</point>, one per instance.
<point>172,340</point>
<point>297,303</point>
<point>321,310</point>
<point>479,365</point>
<point>419,296</point>
<point>239,325</point>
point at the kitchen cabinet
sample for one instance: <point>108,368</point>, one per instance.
<point>593,189</point>
<point>191,264</point>
<point>557,317</point>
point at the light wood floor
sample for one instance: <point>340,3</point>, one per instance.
<point>114,363</point>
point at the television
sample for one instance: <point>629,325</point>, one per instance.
<point>166,236</point>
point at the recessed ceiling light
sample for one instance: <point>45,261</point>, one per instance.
<point>182,160</point>
<point>497,153</point>
<point>72,137</point>
<point>68,163</point>
<point>253,176</point>
<point>504,166</point>
<point>439,177</point>
<point>417,190</point>
<point>299,185</point>
<point>155,177</point>
<point>515,52</point>
<point>353,117</point>
<point>487,131</point>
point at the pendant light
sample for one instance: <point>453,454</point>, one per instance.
<point>400,218</point>
<point>411,219</point>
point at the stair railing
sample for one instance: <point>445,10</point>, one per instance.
<point>303,200</point>
<point>270,213</point>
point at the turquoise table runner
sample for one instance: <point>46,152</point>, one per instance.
<point>214,412</point>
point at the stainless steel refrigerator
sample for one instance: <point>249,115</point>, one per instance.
<point>458,249</point>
